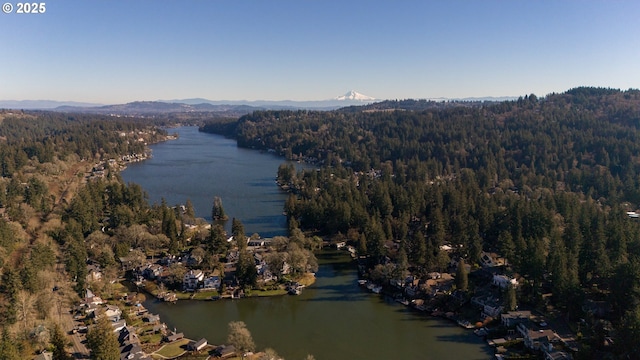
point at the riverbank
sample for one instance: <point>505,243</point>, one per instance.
<point>152,289</point>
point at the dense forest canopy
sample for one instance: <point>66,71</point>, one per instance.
<point>545,182</point>
<point>45,213</point>
<point>584,139</point>
<point>45,135</point>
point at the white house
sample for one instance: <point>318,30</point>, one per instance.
<point>192,279</point>
<point>537,340</point>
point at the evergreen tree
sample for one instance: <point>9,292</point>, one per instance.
<point>217,212</point>
<point>59,342</point>
<point>102,341</point>
<point>189,210</point>
<point>10,286</point>
<point>375,238</point>
<point>506,246</point>
<point>462,276</point>
<point>217,241</point>
<point>8,348</point>
<point>246,269</point>
<point>510,299</point>
<point>170,229</point>
<point>557,267</point>
<point>627,343</point>
<point>239,236</point>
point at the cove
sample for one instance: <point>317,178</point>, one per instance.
<point>334,318</point>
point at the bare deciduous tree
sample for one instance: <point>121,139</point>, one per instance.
<point>240,336</point>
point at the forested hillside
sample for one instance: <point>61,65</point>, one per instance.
<point>544,182</point>
<point>46,158</point>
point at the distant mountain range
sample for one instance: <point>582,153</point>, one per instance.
<point>41,104</point>
<point>200,105</point>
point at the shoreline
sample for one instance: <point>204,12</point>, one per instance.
<point>213,295</point>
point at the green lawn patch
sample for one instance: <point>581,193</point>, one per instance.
<point>205,295</point>
<point>151,338</point>
<point>183,295</point>
<point>261,293</point>
<point>173,350</point>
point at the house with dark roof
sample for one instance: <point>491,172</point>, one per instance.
<point>225,351</point>
<point>174,337</point>
<point>513,318</point>
<point>537,339</point>
<point>197,345</point>
<point>151,318</point>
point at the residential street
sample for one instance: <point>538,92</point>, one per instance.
<point>79,350</point>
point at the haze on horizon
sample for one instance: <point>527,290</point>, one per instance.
<point>121,51</point>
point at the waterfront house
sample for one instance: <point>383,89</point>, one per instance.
<point>225,351</point>
<point>258,243</point>
<point>489,302</point>
<point>152,271</point>
<point>192,279</point>
<point>130,348</point>
<point>513,318</point>
<point>211,283</point>
<point>158,328</point>
<point>197,345</point>
<point>151,318</point>
<point>174,337</point>
<point>537,339</point>
<point>132,352</point>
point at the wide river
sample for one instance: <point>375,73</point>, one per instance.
<point>333,319</point>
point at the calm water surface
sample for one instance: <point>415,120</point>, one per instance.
<point>333,319</point>
<point>199,166</point>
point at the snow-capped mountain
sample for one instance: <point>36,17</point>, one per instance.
<point>353,95</point>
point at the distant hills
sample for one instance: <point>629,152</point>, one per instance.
<point>41,104</point>
<point>217,107</point>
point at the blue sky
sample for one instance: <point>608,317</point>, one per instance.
<point>115,51</point>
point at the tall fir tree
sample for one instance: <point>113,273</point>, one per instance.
<point>102,341</point>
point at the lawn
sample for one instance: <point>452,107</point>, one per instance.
<point>260,293</point>
<point>151,338</point>
<point>205,295</point>
<point>172,350</point>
